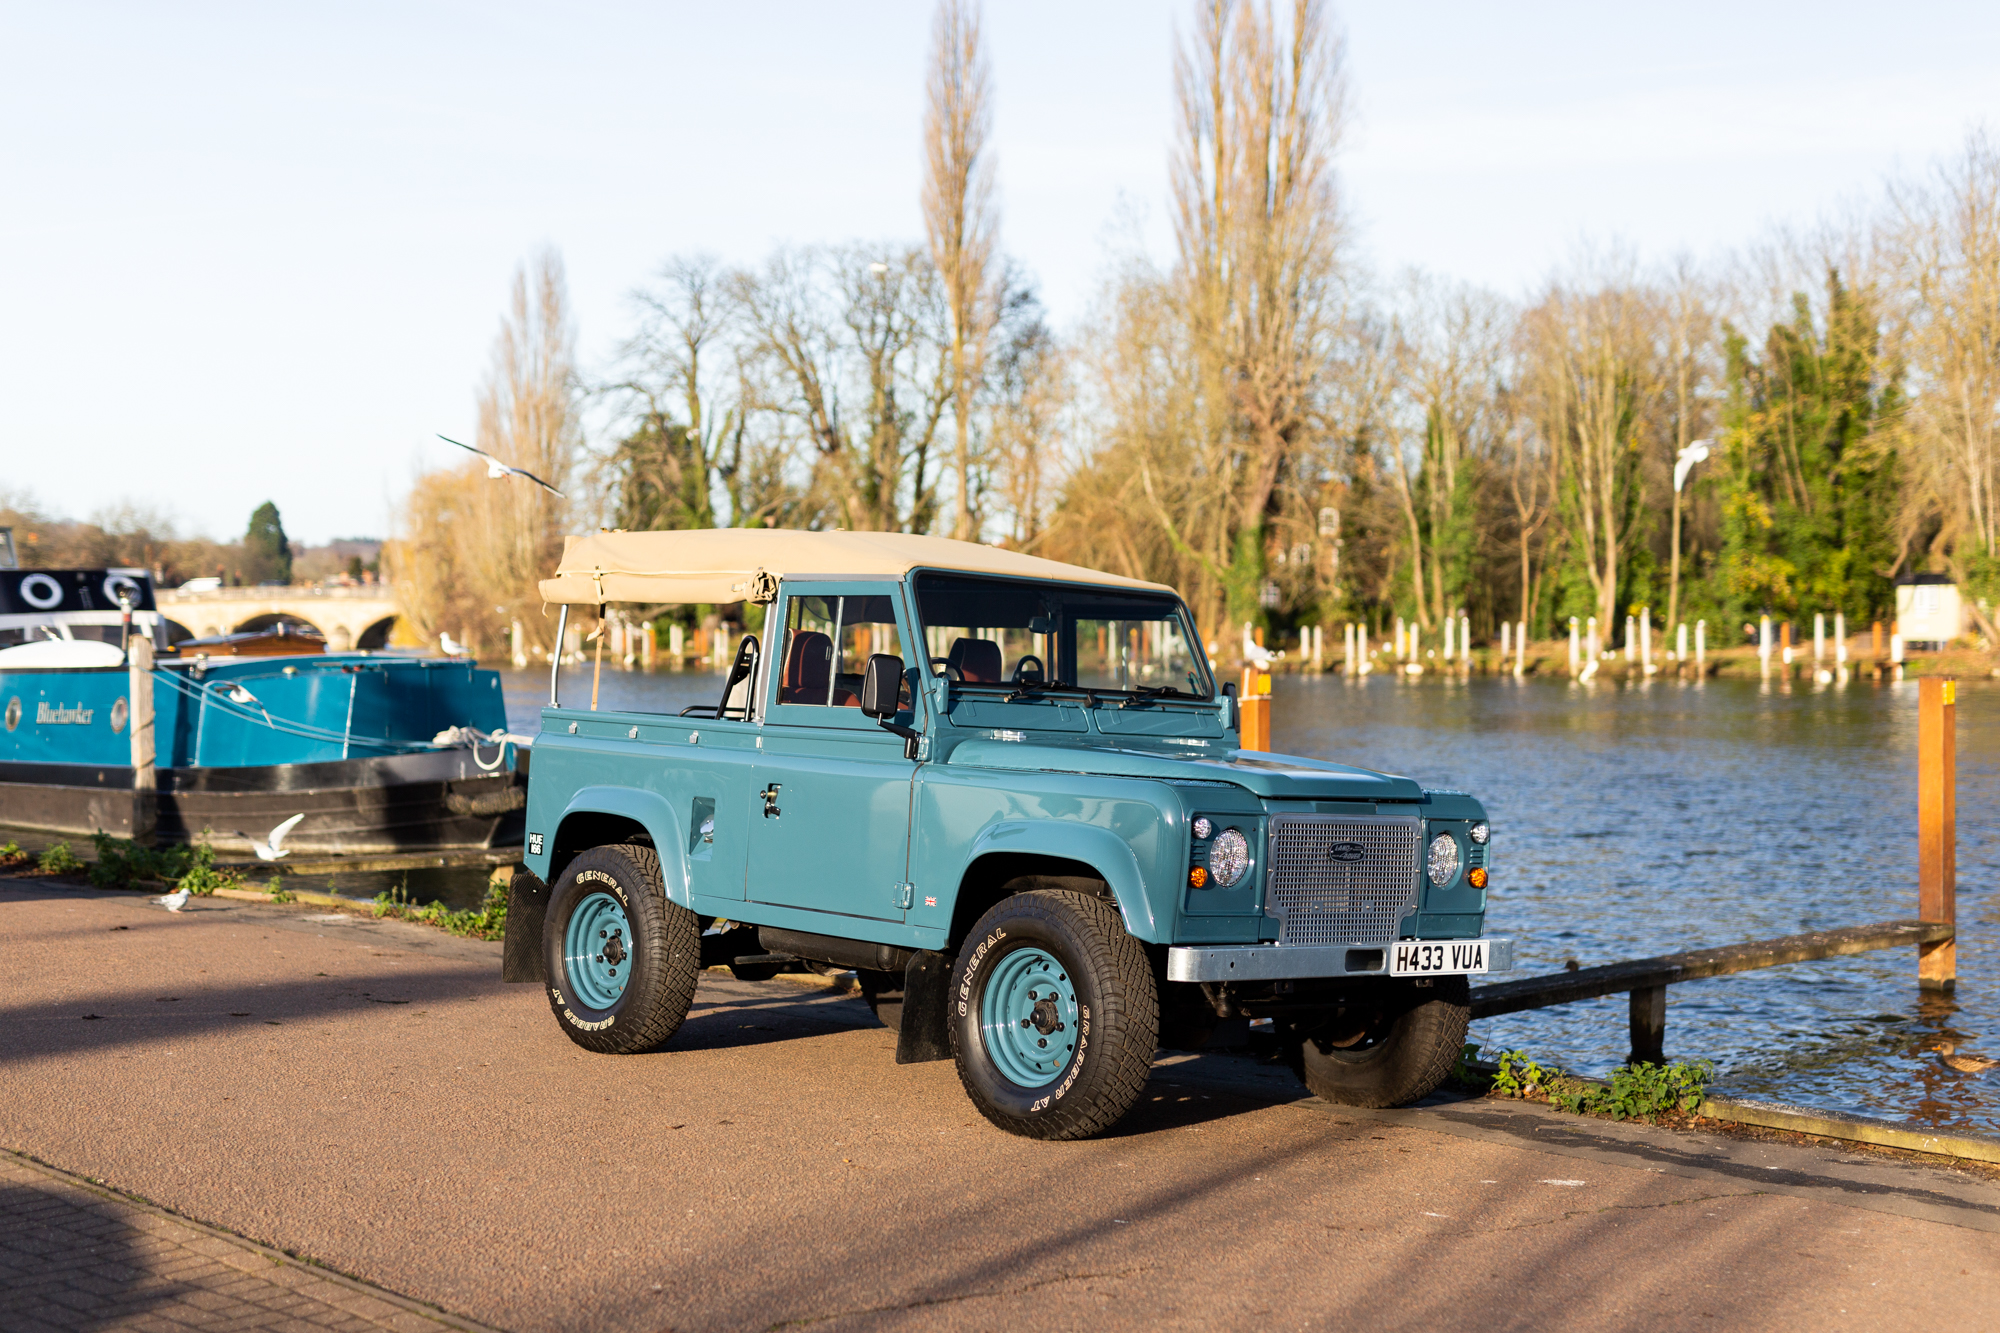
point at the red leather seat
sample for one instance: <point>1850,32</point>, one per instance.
<point>808,669</point>
<point>976,660</point>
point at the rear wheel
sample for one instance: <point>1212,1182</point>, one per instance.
<point>621,960</point>
<point>1388,1053</point>
<point>1054,1017</point>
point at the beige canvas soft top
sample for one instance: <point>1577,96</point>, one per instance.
<point>738,564</point>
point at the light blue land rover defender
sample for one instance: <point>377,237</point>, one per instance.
<point>1007,793</point>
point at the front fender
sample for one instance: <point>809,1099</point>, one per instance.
<point>1102,850</point>
<point>649,809</point>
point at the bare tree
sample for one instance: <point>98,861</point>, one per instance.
<point>473,547</point>
<point>1450,350</point>
<point>1594,377</point>
<point>1949,233</point>
<point>1257,283</point>
<point>960,219</point>
<point>848,354</point>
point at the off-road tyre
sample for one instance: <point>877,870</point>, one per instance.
<point>1073,951</point>
<point>660,958</point>
<point>1402,1060</point>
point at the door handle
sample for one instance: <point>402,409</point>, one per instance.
<point>770,795</point>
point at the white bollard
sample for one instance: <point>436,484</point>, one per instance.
<point>1819,637</point>
<point>1361,644</point>
<point>1840,638</point>
<point>1521,648</point>
<point>1681,642</point>
<point>1764,644</point>
<point>1646,640</point>
<point>1447,638</point>
<point>1465,638</point>
<point>1316,647</point>
<point>677,645</point>
<point>1631,636</point>
<point>1896,649</point>
<point>517,644</point>
<point>1506,639</point>
<point>1572,646</point>
<point>1399,638</point>
<point>1590,639</point>
<point>1700,645</point>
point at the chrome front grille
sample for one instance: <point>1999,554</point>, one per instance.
<point>1321,898</point>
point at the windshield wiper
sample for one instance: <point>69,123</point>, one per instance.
<point>1145,692</point>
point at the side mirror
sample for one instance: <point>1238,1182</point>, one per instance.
<point>882,685</point>
<point>1232,720</point>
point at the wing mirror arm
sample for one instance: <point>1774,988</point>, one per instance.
<point>881,691</point>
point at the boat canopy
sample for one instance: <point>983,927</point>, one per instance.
<point>719,565</point>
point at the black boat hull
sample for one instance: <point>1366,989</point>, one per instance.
<point>397,803</point>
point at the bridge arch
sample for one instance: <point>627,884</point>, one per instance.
<point>376,636</point>
<point>273,619</point>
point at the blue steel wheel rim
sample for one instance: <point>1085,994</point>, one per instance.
<point>1028,1017</point>
<point>597,951</point>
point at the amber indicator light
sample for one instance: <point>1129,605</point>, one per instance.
<point>1477,875</point>
<point>1197,877</point>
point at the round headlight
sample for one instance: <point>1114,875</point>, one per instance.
<point>1443,863</point>
<point>1481,832</point>
<point>1202,827</point>
<point>1229,857</point>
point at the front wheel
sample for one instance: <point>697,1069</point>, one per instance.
<point>1391,1052</point>
<point>620,959</point>
<point>1054,1017</point>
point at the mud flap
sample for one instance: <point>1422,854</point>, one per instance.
<point>527,905</point>
<point>924,1034</point>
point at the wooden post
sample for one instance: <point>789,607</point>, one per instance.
<point>1937,826</point>
<point>1649,1026</point>
<point>145,777</point>
<point>1254,705</point>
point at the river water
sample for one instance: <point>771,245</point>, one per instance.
<point>1630,821</point>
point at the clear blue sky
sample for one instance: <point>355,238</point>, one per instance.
<point>259,251</point>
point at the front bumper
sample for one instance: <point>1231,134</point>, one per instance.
<point>1269,962</point>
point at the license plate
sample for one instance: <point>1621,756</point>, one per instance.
<point>1445,958</point>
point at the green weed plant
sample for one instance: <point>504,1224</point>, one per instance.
<point>59,860</point>
<point>121,863</point>
<point>1643,1091</point>
<point>13,856</point>
<point>487,922</point>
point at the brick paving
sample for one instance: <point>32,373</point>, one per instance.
<point>74,1256</point>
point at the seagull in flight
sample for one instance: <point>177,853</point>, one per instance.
<point>274,849</point>
<point>496,468</point>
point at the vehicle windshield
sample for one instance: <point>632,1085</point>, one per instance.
<point>1060,637</point>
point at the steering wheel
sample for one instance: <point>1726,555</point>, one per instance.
<point>1020,670</point>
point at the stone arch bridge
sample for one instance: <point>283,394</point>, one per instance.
<point>360,617</point>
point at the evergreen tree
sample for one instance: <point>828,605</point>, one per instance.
<point>267,556</point>
<point>1809,483</point>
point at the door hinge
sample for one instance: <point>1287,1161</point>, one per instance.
<point>770,795</point>
<point>905,894</point>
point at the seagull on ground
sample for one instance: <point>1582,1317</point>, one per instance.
<point>273,849</point>
<point>496,468</point>
<point>174,901</point>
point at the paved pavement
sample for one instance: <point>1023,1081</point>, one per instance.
<point>371,1097</point>
<point>75,1256</point>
